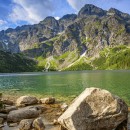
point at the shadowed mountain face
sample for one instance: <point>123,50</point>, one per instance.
<point>15,63</point>
<point>89,32</point>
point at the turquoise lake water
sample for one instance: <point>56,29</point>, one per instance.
<point>67,84</point>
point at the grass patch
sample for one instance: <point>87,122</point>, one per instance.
<point>116,58</point>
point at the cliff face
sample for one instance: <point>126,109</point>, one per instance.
<point>31,36</point>
<point>93,30</point>
<point>89,32</point>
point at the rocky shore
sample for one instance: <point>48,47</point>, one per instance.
<point>26,112</point>
<point>94,109</point>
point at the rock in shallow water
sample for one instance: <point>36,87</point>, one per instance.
<point>24,113</point>
<point>3,115</point>
<point>26,124</point>
<point>26,100</point>
<point>38,124</point>
<point>64,106</point>
<point>7,102</point>
<point>1,120</point>
<point>94,109</point>
<point>13,125</point>
<point>7,109</point>
<point>49,100</point>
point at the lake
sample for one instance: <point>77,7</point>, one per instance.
<point>66,84</point>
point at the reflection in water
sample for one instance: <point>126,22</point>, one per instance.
<point>68,83</point>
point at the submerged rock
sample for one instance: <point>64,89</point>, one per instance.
<point>26,124</point>
<point>24,113</point>
<point>12,124</point>
<point>49,100</point>
<point>94,109</point>
<point>26,100</point>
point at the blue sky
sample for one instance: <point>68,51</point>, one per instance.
<point>19,12</point>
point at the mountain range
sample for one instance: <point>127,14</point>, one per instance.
<point>92,39</point>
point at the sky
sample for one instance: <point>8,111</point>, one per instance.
<point>15,13</point>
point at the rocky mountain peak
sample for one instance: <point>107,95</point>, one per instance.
<point>68,17</point>
<point>90,9</point>
<point>66,20</point>
<point>49,18</point>
<point>50,22</point>
<point>113,11</point>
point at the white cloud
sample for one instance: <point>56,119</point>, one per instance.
<point>104,4</point>
<point>4,28</point>
<point>3,25</point>
<point>2,22</point>
<point>77,4</point>
<point>57,18</point>
<point>31,11</point>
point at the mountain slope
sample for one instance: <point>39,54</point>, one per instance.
<point>65,40</point>
<point>110,58</point>
<point>15,63</point>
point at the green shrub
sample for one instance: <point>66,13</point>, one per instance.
<point>82,66</point>
<point>117,58</point>
<point>15,63</point>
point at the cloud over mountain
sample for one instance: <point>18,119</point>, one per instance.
<point>20,12</point>
<point>122,5</point>
<point>31,11</point>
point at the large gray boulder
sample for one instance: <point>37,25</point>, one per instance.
<point>94,109</point>
<point>24,113</point>
<point>26,100</point>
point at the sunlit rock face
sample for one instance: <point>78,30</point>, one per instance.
<point>95,109</point>
<point>91,30</point>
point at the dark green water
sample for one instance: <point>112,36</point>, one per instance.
<point>66,84</point>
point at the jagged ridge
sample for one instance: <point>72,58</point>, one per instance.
<point>92,30</point>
